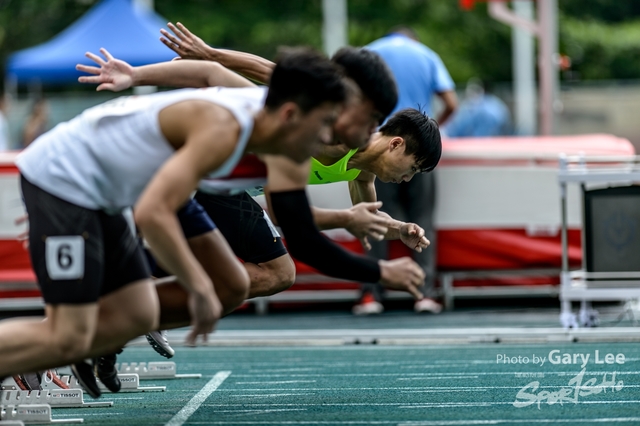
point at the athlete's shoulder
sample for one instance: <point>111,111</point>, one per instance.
<point>331,154</point>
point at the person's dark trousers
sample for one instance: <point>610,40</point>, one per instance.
<point>412,201</point>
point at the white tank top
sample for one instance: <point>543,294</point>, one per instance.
<point>104,158</point>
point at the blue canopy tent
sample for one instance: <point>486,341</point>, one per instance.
<point>128,31</point>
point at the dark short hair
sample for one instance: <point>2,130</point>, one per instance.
<point>306,77</point>
<point>369,71</point>
<point>421,134</point>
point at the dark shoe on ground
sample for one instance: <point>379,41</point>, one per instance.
<point>107,373</point>
<point>158,341</point>
<point>83,371</point>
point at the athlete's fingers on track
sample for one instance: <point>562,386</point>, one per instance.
<point>415,292</point>
<point>192,337</point>
<point>95,58</point>
<point>365,243</point>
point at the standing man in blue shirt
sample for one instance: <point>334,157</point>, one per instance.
<point>420,74</point>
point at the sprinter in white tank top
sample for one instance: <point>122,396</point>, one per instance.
<point>152,151</point>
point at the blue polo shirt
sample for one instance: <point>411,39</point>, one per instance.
<point>418,70</point>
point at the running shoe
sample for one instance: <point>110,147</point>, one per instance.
<point>427,305</point>
<point>368,306</point>
<point>158,341</point>
<point>107,373</point>
<point>83,371</point>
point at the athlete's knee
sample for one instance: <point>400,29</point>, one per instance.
<point>235,291</point>
<point>279,275</point>
<point>133,319</point>
<point>284,280</point>
<point>69,345</point>
<point>145,319</point>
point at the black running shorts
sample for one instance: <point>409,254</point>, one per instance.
<point>79,254</point>
<point>242,221</point>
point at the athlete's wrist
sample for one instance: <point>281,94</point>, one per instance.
<point>384,271</point>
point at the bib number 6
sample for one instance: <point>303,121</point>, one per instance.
<point>65,257</point>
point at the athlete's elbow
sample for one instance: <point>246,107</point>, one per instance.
<point>147,219</point>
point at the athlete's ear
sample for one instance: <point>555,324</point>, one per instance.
<point>289,112</point>
<point>395,143</point>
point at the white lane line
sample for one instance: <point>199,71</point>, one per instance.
<point>526,421</point>
<point>272,395</point>
<point>608,420</point>
<point>195,402</point>
<point>276,382</point>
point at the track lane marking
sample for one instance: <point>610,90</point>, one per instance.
<point>183,415</point>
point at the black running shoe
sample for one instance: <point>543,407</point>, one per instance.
<point>107,373</point>
<point>83,371</point>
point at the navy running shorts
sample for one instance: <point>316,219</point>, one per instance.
<point>194,220</point>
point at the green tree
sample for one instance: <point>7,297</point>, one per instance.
<point>601,36</point>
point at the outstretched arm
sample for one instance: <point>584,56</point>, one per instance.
<point>289,204</point>
<point>116,75</point>
<point>190,46</point>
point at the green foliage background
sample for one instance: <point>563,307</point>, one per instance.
<point>601,36</point>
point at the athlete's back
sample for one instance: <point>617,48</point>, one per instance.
<point>103,158</point>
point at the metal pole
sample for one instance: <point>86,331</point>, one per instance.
<point>334,26</point>
<point>524,78</point>
<point>547,63</point>
<point>563,216</point>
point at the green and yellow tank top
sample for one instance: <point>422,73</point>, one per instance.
<point>337,172</point>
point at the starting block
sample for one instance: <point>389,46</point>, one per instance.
<point>51,394</point>
<point>11,423</point>
<point>154,370</point>
<point>130,383</point>
<point>30,414</point>
<point>57,398</point>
